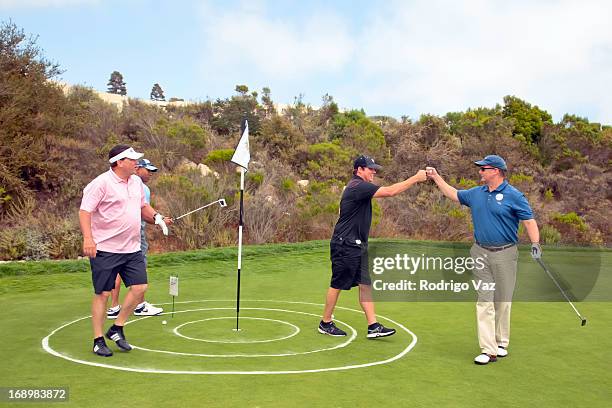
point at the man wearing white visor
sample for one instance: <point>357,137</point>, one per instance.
<point>145,170</point>
<point>111,211</point>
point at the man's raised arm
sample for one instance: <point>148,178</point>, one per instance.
<point>395,189</point>
<point>446,189</point>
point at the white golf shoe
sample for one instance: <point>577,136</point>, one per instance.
<point>483,359</point>
<point>501,351</point>
<point>147,309</point>
<point>113,312</point>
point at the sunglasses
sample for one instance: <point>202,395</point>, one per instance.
<point>486,168</point>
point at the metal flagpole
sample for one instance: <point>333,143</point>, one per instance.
<point>240,224</point>
<point>241,157</point>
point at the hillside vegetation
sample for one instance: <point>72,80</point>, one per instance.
<point>53,142</point>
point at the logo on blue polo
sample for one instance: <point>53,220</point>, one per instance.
<point>499,197</point>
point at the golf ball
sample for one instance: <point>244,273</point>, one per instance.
<point>164,322</point>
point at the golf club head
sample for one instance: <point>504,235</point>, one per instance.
<point>222,203</point>
<point>583,322</point>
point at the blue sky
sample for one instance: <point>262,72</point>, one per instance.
<point>388,57</point>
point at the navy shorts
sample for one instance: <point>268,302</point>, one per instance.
<point>349,265</point>
<point>106,265</point>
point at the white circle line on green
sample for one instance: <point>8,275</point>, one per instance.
<point>50,350</point>
<point>179,353</point>
<point>295,331</point>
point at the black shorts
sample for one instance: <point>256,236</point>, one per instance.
<point>106,265</point>
<point>349,265</point>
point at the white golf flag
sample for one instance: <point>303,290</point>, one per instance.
<point>174,286</point>
<point>242,155</point>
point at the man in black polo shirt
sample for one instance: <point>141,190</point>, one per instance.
<point>349,244</point>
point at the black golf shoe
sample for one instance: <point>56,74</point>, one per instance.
<point>100,348</point>
<point>378,330</point>
<point>330,329</point>
<point>118,337</point>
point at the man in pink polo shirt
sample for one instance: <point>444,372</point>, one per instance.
<point>110,214</point>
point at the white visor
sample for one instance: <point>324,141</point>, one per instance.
<point>126,154</point>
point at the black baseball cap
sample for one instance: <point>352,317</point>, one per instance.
<point>366,161</point>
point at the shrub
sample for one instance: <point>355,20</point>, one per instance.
<point>255,178</point>
<point>188,133</point>
<point>318,209</point>
<point>328,161</point>
<point>64,239</point>
<point>457,213</point>
<point>287,185</point>
<point>520,178</point>
<point>463,183</point>
<point>219,156</point>
<point>25,243</point>
<point>179,194</point>
<point>548,195</point>
<point>353,129</point>
<point>571,219</point>
<point>550,235</point>
<point>12,244</point>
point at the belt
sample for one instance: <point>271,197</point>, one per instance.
<point>345,240</point>
<point>495,248</point>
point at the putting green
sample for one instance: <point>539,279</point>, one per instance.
<point>283,344</point>
<point>551,356</point>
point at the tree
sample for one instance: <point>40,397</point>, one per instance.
<point>242,89</point>
<point>355,130</point>
<point>40,127</point>
<point>528,120</point>
<point>157,93</point>
<point>30,108</point>
<point>116,84</point>
<point>267,102</point>
<point>280,138</point>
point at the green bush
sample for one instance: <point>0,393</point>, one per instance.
<point>355,130</point>
<point>548,195</point>
<point>571,219</point>
<point>25,243</point>
<point>12,244</point>
<point>328,161</point>
<point>457,213</point>
<point>255,178</point>
<point>65,240</point>
<point>188,133</point>
<point>463,183</point>
<point>219,156</point>
<point>550,235</point>
<point>287,185</point>
<point>520,178</point>
<point>186,192</point>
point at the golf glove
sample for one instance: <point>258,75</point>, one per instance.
<point>536,251</point>
<point>159,220</point>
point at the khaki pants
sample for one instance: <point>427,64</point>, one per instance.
<point>493,307</point>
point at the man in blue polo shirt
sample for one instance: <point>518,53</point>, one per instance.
<point>497,207</point>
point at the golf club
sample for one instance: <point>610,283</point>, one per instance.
<point>220,201</point>
<point>582,319</point>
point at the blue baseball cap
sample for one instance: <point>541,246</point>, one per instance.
<point>366,161</point>
<point>492,160</point>
<point>144,163</point>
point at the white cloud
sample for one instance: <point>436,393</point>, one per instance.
<point>444,56</point>
<point>422,56</point>
<point>27,4</point>
<point>275,47</point>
